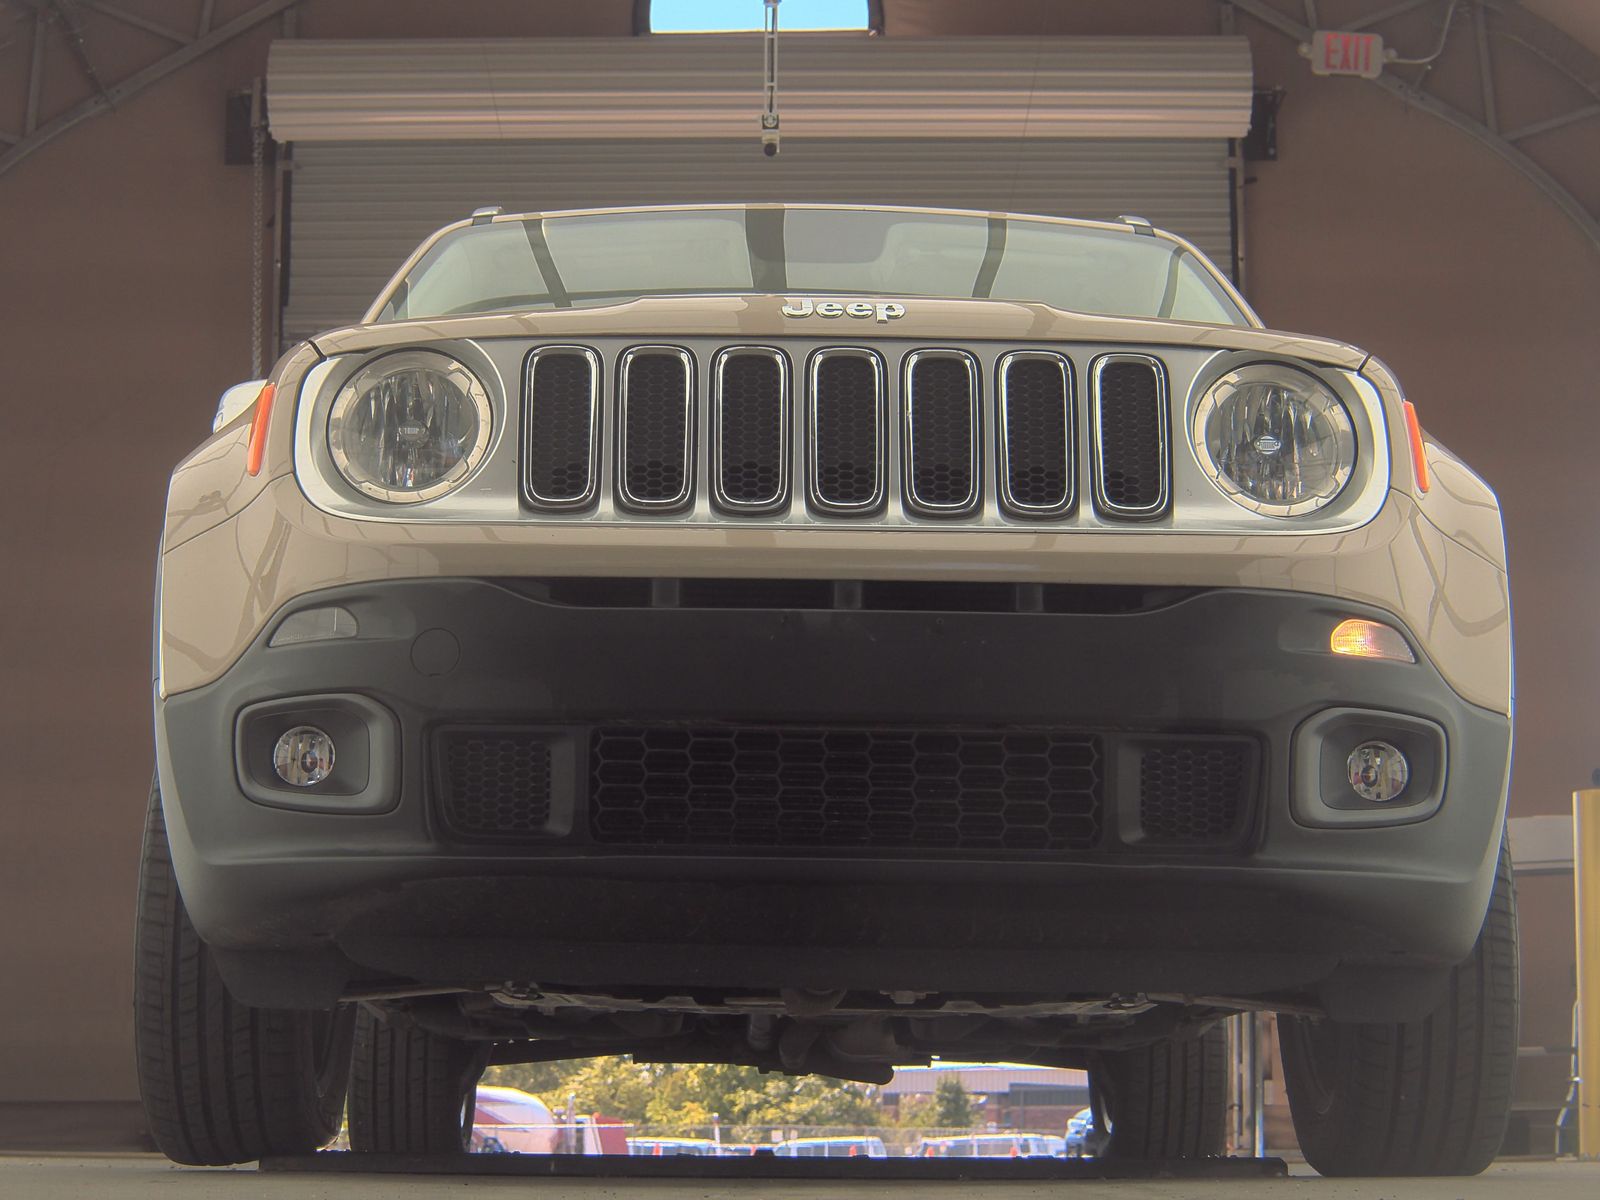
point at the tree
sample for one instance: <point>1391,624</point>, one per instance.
<point>952,1107</point>
<point>680,1098</point>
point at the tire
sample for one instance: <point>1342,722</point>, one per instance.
<point>1165,1101</point>
<point>222,1082</point>
<point>1428,1097</point>
<point>411,1091</point>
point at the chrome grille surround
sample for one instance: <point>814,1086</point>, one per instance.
<point>627,494</point>
<point>1108,504</point>
<point>721,438</point>
<point>1006,467</point>
<point>819,423</point>
<point>973,453</point>
<point>575,499</point>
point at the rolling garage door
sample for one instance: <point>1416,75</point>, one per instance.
<point>1091,127</point>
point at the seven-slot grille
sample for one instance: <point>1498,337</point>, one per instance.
<point>943,457</point>
<point>839,408</point>
<point>655,424</point>
<point>1130,414</point>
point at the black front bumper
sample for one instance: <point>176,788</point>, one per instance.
<point>304,895</point>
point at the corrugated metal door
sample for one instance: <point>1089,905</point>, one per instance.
<point>357,209</point>
<point>393,139</point>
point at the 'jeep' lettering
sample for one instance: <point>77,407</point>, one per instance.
<point>881,311</point>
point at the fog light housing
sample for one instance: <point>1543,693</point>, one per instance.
<point>303,757</point>
<point>1378,772</point>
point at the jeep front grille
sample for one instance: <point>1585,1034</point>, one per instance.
<point>1130,421</point>
<point>790,788</point>
<point>1036,434</point>
<point>797,434</point>
<point>847,405</point>
<point>750,417</point>
<point>560,427</point>
<point>943,452</point>
<point>655,425</point>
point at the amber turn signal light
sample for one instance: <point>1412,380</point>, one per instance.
<point>1414,431</point>
<point>258,430</point>
<point>1358,638</point>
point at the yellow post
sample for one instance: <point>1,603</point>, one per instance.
<point>1586,890</point>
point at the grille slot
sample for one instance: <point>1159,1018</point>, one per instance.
<point>751,419</point>
<point>942,456</point>
<point>561,428</point>
<point>1194,792</point>
<point>1036,434</point>
<point>654,427</point>
<point>847,431</point>
<point>1130,412</point>
<point>795,788</point>
<point>493,783</point>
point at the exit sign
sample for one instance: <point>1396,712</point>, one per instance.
<point>1335,53</point>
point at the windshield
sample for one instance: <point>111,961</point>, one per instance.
<point>609,258</point>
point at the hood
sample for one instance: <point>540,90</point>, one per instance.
<point>765,317</point>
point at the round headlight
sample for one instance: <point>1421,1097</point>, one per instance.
<point>1275,440</point>
<point>409,427</point>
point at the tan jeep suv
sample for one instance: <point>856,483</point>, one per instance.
<point>823,638</point>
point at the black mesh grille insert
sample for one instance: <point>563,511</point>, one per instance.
<point>1132,432</point>
<point>847,409</point>
<point>655,429</point>
<point>560,431</point>
<point>1194,792</point>
<point>942,435</point>
<point>814,787</point>
<point>493,783</point>
<point>751,455</point>
<point>1038,449</point>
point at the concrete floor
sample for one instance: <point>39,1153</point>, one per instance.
<point>149,1177</point>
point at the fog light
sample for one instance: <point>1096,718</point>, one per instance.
<point>303,756</point>
<point>1378,772</point>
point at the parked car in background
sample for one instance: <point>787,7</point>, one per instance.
<point>832,1147</point>
<point>990,1145</point>
<point>659,1147</point>
<point>1080,1134</point>
<point>510,1119</point>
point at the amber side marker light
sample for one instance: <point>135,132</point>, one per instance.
<point>1370,639</point>
<point>1414,431</point>
<point>258,430</point>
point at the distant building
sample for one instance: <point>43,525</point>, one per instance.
<point>1039,1099</point>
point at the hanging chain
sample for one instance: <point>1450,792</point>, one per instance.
<point>258,186</point>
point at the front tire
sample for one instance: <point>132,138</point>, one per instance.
<point>1165,1101</point>
<point>1428,1097</point>
<point>222,1082</point>
<point>411,1091</point>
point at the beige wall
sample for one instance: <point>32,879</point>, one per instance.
<point>124,308</point>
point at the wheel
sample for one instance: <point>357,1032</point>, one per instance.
<point>411,1091</point>
<point>1428,1097</point>
<point>1168,1100</point>
<point>222,1082</point>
